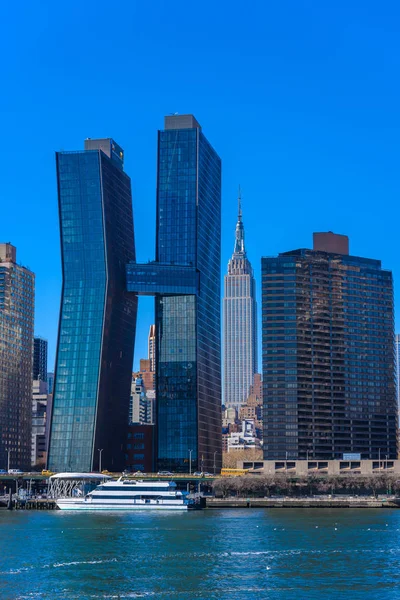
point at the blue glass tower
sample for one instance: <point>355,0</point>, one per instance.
<point>98,317</point>
<point>185,278</point>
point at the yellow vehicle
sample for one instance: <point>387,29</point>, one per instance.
<point>47,473</point>
<point>233,472</point>
<point>105,472</point>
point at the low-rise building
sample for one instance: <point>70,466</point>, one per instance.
<point>244,439</point>
<point>253,410</point>
<point>302,468</point>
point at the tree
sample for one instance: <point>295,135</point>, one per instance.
<point>376,482</point>
<point>323,485</point>
<point>222,486</point>
<point>312,481</point>
<point>333,481</point>
<point>267,484</point>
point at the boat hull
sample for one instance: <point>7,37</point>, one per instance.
<point>67,504</point>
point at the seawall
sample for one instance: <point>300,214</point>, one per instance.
<point>303,502</point>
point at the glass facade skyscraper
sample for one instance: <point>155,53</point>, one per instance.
<point>188,327</point>
<point>240,323</point>
<point>98,316</point>
<point>17,299</point>
<point>39,359</point>
<point>328,354</point>
<point>185,279</point>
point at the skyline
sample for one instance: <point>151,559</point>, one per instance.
<point>305,117</point>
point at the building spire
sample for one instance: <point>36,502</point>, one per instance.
<point>239,234</point>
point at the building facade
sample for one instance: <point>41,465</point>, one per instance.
<point>40,406</point>
<point>148,376</point>
<point>141,409</point>
<point>50,382</point>
<point>98,317</point>
<point>139,448</point>
<point>252,410</point>
<point>17,298</point>
<point>39,359</point>
<point>188,348</point>
<point>152,348</point>
<point>322,468</point>
<point>185,279</point>
<point>244,439</point>
<point>240,323</point>
<point>256,388</point>
<point>397,353</point>
<point>328,355</point>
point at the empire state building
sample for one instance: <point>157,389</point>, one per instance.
<point>240,322</point>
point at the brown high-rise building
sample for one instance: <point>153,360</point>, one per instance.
<point>256,388</point>
<point>17,299</point>
<point>328,354</point>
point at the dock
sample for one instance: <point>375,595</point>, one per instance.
<point>29,504</point>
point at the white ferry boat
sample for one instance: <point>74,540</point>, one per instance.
<point>128,494</point>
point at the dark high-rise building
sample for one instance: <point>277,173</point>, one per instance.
<point>328,354</point>
<point>17,299</point>
<point>185,279</point>
<point>40,359</point>
<point>98,317</point>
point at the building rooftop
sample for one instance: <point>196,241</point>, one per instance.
<point>181,122</point>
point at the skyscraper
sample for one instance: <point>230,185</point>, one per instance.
<point>98,317</point>
<point>17,289</point>
<point>152,348</point>
<point>397,352</point>
<point>240,322</point>
<point>185,278</point>
<point>328,354</point>
<point>40,359</point>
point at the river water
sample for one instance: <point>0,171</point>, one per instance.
<point>216,554</point>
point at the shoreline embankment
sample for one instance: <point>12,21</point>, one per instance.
<point>306,502</point>
<point>219,503</point>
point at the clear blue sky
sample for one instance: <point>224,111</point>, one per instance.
<point>300,99</point>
